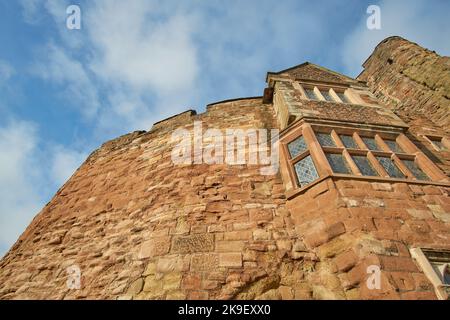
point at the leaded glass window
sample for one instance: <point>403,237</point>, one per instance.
<point>325,140</point>
<point>370,143</point>
<point>364,166</point>
<point>306,171</point>
<point>349,142</point>
<point>310,94</point>
<point>360,152</point>
<point>326,95</point>
<point>337,163</point>
<point>297,146</point>
<point>415,170</point>
<point>437,143</point>
<point>393,145</point>
<point>390,167</point>
<point>342,96</point>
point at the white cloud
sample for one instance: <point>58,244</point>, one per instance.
<point>139,56</point>
<point>141,52</point>
<point>56,65</point>
<point>19,176</point>
<point>6,71</point>
<point>65,162</point>
<point>416,20</point>
<point>31,10</point>
<point>26,180</point>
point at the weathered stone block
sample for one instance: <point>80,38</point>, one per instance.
<point>204,261</point>
<point>193,243</point>
<point>169,264</point>
<point>230,246</point>
<point>136,287</point>
<point>230,259</point>
<point>152,284</point>
<point>345,261</point>
<point>261,234</point>
<point>172,281</point>
<point>154,247</point>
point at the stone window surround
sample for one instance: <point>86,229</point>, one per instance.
<point>431,138</point>
<point>351,96</point>
<point>440,288</point>
<point>324,169</point>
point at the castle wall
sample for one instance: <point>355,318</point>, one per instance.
<point>415,83</point>
<point>351,225</point>
<point>139,226</point>
<point>405,76</point>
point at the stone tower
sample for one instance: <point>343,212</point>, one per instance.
<point>359,208</point>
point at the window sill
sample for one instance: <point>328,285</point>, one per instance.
<point>295,192</point>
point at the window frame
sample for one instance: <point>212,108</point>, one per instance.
<point>441,289</point>
<point>431,140</point>
<point>332,90</point>
<point>291,161</point>
<point>324,169</point>
<point>310,88</point>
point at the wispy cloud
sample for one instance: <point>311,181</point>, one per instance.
<point>19,174</point>
<point>31,10</point>
<point>65,162</point>
<point>143,53</point>
<point>419,21</point>
<point>77,87</point>
<point>6,71</point>
<point>25,179</point>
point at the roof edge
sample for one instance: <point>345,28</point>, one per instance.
<point>312,64</point>
<point>231,100</point>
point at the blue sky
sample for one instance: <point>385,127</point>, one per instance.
<point>64,92</point>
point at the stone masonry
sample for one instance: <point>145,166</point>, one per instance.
<point>140,227</point>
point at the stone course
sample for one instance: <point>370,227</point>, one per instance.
<point>140,227</point>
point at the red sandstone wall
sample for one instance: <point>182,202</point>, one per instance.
<point>415,83</point>
<point>139,227</point>
<point>349,225</point>
<point>407,77</point>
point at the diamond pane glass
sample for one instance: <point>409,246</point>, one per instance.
<point>349,142</point>
<point>342,97</point>
<point>364,166</point>
<point>325,140</point>
<point>306,171</point>
<point>310,94</point>
<point>415,170</point>
<point>438,144</point>
<point>326,95</point>
<point>297,146</point>
<point>390,167</point>
<point>370,143</point>
<point>393,145</point>
<point>337,163</point>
